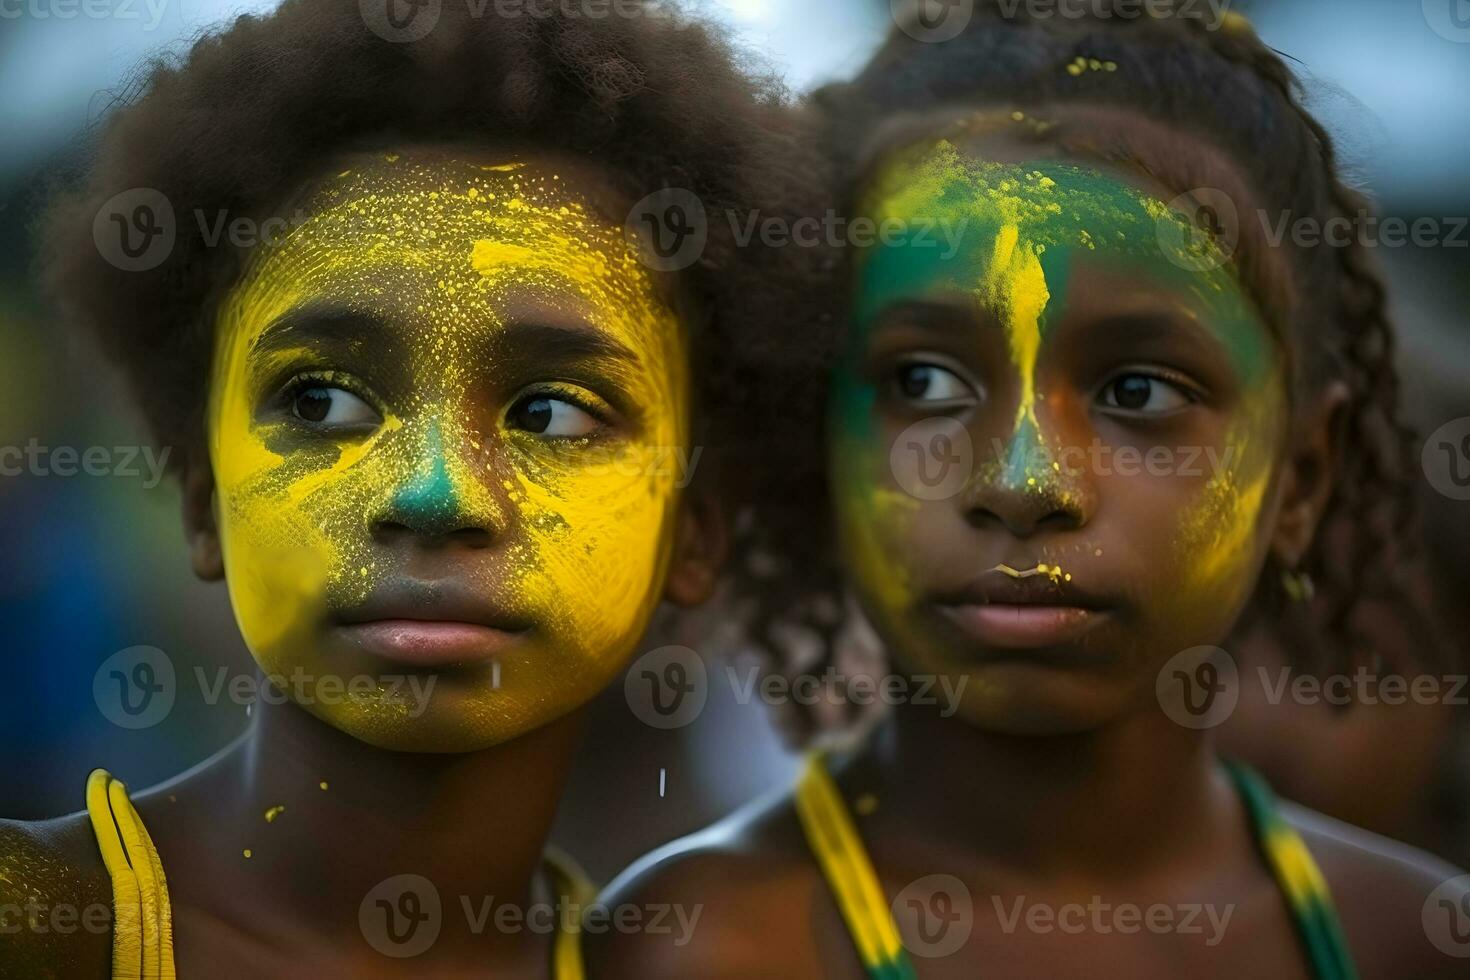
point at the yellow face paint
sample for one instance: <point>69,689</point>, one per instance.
<point>438,294</point>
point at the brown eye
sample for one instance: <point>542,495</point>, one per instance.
<point>328,406</point>
<point>931,383</point>
<point>546,416</point>
<point>1143,394</point>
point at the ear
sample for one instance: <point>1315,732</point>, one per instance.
<point>200,524</point>
<point>1309,474</point>
<point>701,546</point>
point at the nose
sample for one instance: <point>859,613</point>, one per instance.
<point>434,504</point>
<point>1029,491</point>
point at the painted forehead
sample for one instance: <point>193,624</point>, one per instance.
<point>1047,215</point>
<point>387,230</point>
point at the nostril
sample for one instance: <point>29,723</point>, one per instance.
<point>471,537</point>
<point>390,529</point>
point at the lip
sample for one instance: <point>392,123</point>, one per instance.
<point>429,624</point>
<point>1023,627</point>
<point>1001,611</point>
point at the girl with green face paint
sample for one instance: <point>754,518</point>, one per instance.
<point>437,431</point>
<point>1079,416</point>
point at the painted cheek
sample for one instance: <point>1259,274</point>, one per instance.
<point>584,532</point>
<point>874,516</point>
<point>1216,543</point>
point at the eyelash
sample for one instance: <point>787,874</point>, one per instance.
<point>306,380</point>
<point>576,395</point>
<point>1179,382</point>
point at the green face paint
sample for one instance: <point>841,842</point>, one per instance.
<point>1026,231</point>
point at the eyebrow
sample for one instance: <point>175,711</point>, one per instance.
<point>959,316</point>
<point>560,339</point>
<point>328,322</point>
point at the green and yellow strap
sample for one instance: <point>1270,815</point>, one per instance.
<point>834,840</point>
<point>1300,879</point>
<point>844,861</point>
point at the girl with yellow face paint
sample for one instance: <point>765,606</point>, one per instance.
<point>437,431</point>
<point>490,508</point>
<point>1083,419</point>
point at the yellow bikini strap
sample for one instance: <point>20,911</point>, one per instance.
<point>569,880</point>
<point>142,932</point>
<point>834,840</point>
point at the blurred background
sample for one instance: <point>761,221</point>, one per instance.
<point>92,565</point>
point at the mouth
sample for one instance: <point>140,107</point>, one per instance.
<point>429,624</point>
<point>1002,609</point>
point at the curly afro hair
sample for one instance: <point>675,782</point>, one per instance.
<point>256,108</point>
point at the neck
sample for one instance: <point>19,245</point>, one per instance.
<point>1139,791</point>
<point>474,824</point>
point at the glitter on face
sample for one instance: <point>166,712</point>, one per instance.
<point>435,262</point>
<point>1024,227</point>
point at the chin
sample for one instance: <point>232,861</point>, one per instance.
<point>427,734</point>
<point>1025,699</point>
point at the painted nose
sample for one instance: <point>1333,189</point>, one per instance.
<point>1027,492</point>
<point>433,504</point>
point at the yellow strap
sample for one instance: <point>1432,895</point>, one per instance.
<point>569,880</point>
<point>839,849</point>
<point>142,932</point>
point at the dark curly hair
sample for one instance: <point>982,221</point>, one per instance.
<point>258,107</point>
<point>1236,96</point>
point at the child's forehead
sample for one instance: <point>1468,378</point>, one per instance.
<point>451,244</point>
<point>455,219</point>
<point>434,196</point>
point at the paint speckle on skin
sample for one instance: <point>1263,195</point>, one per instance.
<point>1051,571</point>
<point>247,852</point>
<point>322,785</point>
<point>274,812</point>
<point>1023,227</point>
<point>447,253</point>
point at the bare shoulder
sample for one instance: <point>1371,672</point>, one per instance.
<point>745,891</point>
<point>55,900</point>
<point>1403,910</point>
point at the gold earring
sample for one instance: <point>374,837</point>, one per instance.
<point>1297,585</point>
